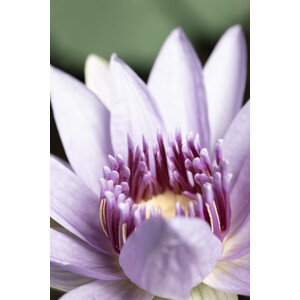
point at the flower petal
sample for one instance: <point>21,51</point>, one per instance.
<point>176,83</point>
<point>108,290</point>
<point>83,125</point>
<point>231,276</point>
<point>240,199</point>
<point>96,73</point>
<point>225,78</point>
<point>78,257</point>
<point>64,280</point>
<point>168,258</point>
<point>75,207</point>
<point>239,244</point>
<point>236,147</point>
<point>204,292</point>
<point>134,111</point>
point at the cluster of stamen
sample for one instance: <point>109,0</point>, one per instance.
<point>180,170</point>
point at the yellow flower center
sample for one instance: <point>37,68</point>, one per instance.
<point>166,202</point>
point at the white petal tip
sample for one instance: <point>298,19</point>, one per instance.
<point>235,31</point>
<point>115,61</point>
<point>93,59</point>
<point>114,58</point>
<point>177,34</point>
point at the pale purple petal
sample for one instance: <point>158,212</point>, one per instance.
<point>225,78</point>
<point>240,199</point>
<point>108,290</point>
<point>169,258</point>
<point>236,146</point>
<point>133,110</point>
<point>96,73</point>
<point>83,125</point>
<point>176,83</point>
<point>239,244</point>
<point>78,257</point>
<point>75,207</point>
<point>204,292</point>
<point>231,276</point>
<point>64,280</point>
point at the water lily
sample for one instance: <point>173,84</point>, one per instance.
<point>155,201</point>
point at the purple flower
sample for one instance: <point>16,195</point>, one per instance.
<point>146,213</point>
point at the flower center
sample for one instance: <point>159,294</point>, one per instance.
<point>179,179</point>
<point>165,204</point>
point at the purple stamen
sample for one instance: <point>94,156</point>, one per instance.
<point>181,167</point>
<point>218,151</point>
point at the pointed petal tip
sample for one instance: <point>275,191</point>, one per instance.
<point>114,58</point>
<point>225,91</point>
<point>115,63</point>
<point>178,31</point>
<point>236,31</point>
<point>178,35</point>
<point>237,28</point>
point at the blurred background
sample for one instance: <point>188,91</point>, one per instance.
<point>135,30</point>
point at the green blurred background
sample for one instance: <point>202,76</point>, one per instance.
<point>135,30</point>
